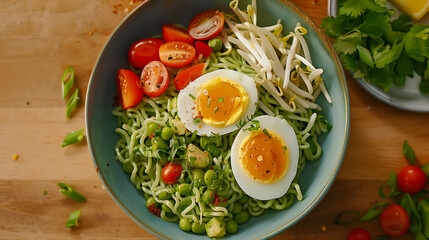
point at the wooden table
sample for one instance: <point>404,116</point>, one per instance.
<point>39,38</point>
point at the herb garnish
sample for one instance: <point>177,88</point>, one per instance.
<point>253,126</point>
<point>377,48</point>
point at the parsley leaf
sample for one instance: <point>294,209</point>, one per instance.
<point>416,42</point>
<point>376,24</point>
<point>348,43</point>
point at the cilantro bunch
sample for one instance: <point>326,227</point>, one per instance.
<point>377,47</point>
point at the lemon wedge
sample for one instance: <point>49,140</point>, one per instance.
<point>416,9</point>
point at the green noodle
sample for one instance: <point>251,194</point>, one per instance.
<point>144,164</point>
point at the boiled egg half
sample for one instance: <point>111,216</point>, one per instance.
<point>216,101</point>
<point>264,157</point>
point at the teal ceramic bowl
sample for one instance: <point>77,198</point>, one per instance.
<point>146,21</point>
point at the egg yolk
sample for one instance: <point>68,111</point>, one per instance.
<point>264,156</point>
<point>221,102</point>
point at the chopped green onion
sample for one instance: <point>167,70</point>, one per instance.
<point>253,126</point>
<point>71,104</point>
<point>265,131</point>
<point>73,137</point>
<point>73,219</point>
<point>373,212</point>
<point>347,217</point>
<point>408,153</point>
<point>70,192</point>
<point>45,192</point>
<point>192,96</point>
<point>197,120</point>
<point>392,183</point>
<point>209,100</point>
<point>216,109</point>
<point>67,83</point>
<point>220,100</point>
<point>284,149</point>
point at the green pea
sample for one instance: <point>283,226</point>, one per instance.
<point>236,208</point>
<point>159,144</point>
<point>151,201</point>
<point>185,225</point>
<point>164,195</point>
<point>216,44</point>
<point>209,176</point>
<point>231,226</point>
<point>165,208</point>
<point>197,174</point>
<point>184,189</point>
<point>151,127</point>
<point>167,133</point>
<point>242,217</point>
<point>208,196</point>
<point>198,228</point>
<point>243,199</point>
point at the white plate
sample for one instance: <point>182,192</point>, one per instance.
<point>407,97</point>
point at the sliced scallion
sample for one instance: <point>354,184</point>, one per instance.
<point>73,137</point>
<point>265,131</point>
<point>391,184</point>
<point>408,153</point>
<point>373,212</point>
<point>347,217</point>
<point>71,193</point>
<point>73,219</point>
<point>192,96</point>
<point>67,81</point>
<point>71,104</point>
<point>253,126</point>
<point>197,120</point>
<point>220,100</point>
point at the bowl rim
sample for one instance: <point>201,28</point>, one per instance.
<point>344,92</point>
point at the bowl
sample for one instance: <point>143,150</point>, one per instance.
<point>146,21</point>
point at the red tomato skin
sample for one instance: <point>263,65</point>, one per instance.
<point>127,87</point>
<point>197,25</point>
<point>171,173</point>
<point>172,32</point>
<point>411,179</point>
<point>359,234</point>
<point>144,51</point>
<point>176,54</point>
<point>188,75</point>
<point>154,79</point>
<point>394,220</point>
<point>203,48</point>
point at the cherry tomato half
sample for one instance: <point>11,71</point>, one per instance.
<point>171,173</point>
<point>206,25</point>
<point>172,32</point>
<point>359,234</point>
<point>411,179</point>
<point>188,75</point>
<point>144,51</point>
<point>394,220</point>
<point>128,90</point>
<point>176,54</point>
<point>154,79</point>
<point>203,48</point>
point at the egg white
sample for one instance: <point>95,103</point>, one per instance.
<point>277,189</point>
<point>186,106</point>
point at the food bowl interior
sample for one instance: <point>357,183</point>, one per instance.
<point>146,21</point>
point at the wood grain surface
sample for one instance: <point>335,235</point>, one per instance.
<point>39,38</point>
